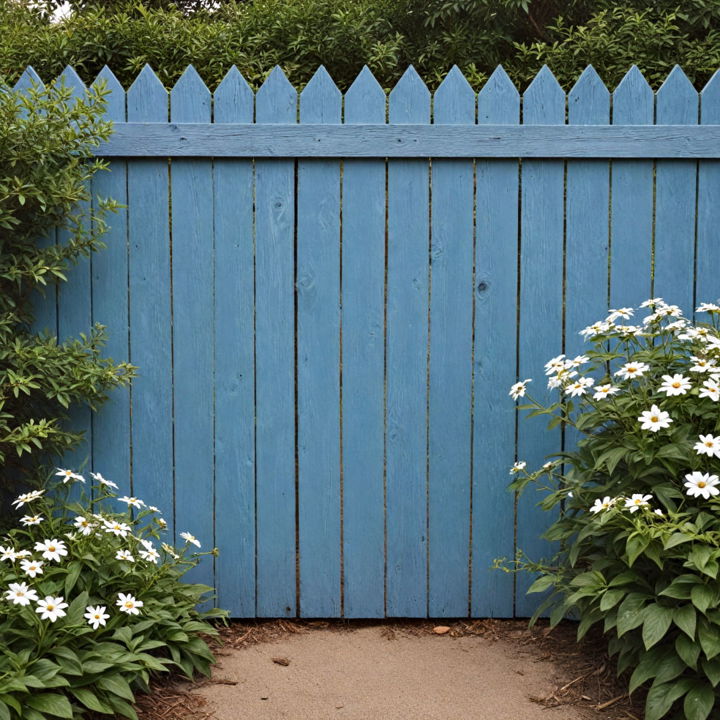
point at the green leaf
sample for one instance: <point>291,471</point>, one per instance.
<point>656,623</point>
<point>712,670</point>
<point>661,698</point>
<point>91,701</point>
<point>646,669</point>
<point>702,597</point>
<point>676,539</point>
<point>709,639</point>
<point>4,712</point>
<point>116,684</point>
<point>699,702</point>
<point>629,615</point>
<point>688,650</point>
<point>686,618</point>
<point>635,546</point>
<point>52,704</point>
<point>74,570</point>
<point>611,598</point>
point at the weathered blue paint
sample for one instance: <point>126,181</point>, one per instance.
<point>675,195</point>
<point>541,310</point>
<point>318,350</point>
<point>407,348</point>
<point>363,373</point>
<point>275,361</point>
<point>234,315</point>
<point>495,356</point>
<point>405,431</point>
<point>450,376</point>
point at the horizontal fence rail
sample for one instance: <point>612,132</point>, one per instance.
<point>418,141</point>
<point>328,296</point>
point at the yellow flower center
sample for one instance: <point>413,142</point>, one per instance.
<point>128,604</point>
<point>51,548</point>
<point>708,444</point>
<point>50,607</point>
<point>632,370</point>
<point>676,384</point>
<point>701,484</point>
<point>654,419</point>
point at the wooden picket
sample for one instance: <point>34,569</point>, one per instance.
<point>328,298</point>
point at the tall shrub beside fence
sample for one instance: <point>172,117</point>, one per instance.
<point>324,298</point>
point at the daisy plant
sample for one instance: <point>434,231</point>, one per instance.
<point>92,603</point>
<point>636,500</point>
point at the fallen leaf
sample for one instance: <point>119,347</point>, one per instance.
<point>281,661</point>
<point>441,629</point>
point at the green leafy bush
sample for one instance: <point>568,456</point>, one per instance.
<point>91,608</point>
<point>639,501</point>
<point>46,144</point>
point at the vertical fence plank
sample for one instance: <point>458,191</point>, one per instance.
<point>707,288</point>
<point>111,427</point>
<point>318,347</point>
<point>234,361</point>
<point>541,309</point>
<point>587,225</point>
<point>632,200</point>
<point>407,338</point>
<point>45,300</point>
<point>276,102</point>
<point>363,349</point>
<point>74,310</point>
<point>675,195</point>
<point>150,303</point>
<point>450,375</point>
<point>193,327</point>
<point>495,352</point>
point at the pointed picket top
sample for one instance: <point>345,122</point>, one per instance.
<point>233,99</point>
<point>321,101</point>
<point>190,98</point>
<point>454,101</point>
<point>410,99</point>
<point>589,100</point>
<point>365,100</point>
<point>499,100</point>
<point>544,100</point>
<point>115,98</point>
<point>710,101</point>
<point>276,100</point>
<point>633,100</point>
<point>147,99</point>
<point>28,79</point>
<point>677,100</point>
<point>70,79</point>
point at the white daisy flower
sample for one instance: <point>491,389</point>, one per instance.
<point>8,553</point>
<point>710,389</point>
<point>555,365</point>
<point>659,512</point>
<point>153,509</point>
<point>147,544</point>
<point>51,549</point>
<point>703,365</point>
<point>577,361</point>
<point>603,391</point>
<point>632,370</point>
<point>68,475</point>
<point>579,387</point>
<point>708,445</point>
<point>192,539</point>
<point>103,481</point>
<point>677,325</point>
<point>625,313</point>
<point>162,522</point>
<point>32,567</point>
<point>27,498</point>
<point>117,528</point>
<point>132,501</point>
<point>128,604</point>
<point>28,520</point>
<point>518,389</point>
<point>20,594</point>
<point>23,553</point>
<point>668,310</point>
<point>708,308</point>
<point>96,616</point>
<point>605,504</point>
<point>598,328</point>
<point>637,501</point>
<point>701,485</point>
<point>548,466</point>
<point>654,419</point>
<point>84,525</point>
<point>652,302</point>
<point>125,555</point>
<point>51,608</point>
<point>170,551</point>
<point>151,555</point>
<point>676,384</point>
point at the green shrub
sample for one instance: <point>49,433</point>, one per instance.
<point>91,608</point>
<point>639,499</point>
<point>46,141</point>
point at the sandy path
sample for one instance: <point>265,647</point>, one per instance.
<point>361,674</point>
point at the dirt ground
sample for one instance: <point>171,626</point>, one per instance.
<point>479,670</point>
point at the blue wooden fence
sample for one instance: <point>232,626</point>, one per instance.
<point>328,299</point>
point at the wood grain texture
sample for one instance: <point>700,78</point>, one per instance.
<point>318,349</point>
<point>450,373</point>
<point>275,360</point>
<point>363,373</point>
<point>110,304</point>
<point>495,351</point>
<point>407,344</point>
<point>234,316</point>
